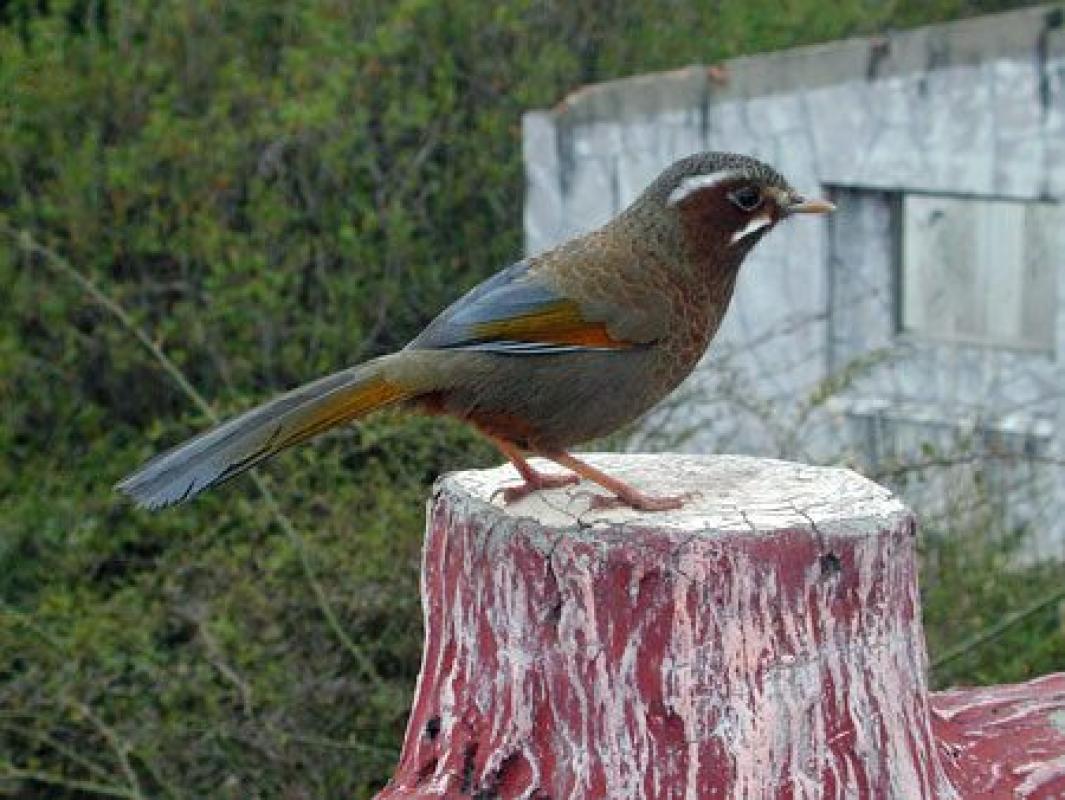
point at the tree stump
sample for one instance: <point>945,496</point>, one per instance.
<point>764,641</point>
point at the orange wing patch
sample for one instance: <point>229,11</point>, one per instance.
<point>556,323</point>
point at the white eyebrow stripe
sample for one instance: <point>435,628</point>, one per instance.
<point>695,183</point>
<point>753,226</point>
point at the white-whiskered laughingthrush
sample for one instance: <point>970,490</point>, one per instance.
<point>552,351</point>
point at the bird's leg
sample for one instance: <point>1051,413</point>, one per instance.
<point>624,495</point>
<point>533,480</point>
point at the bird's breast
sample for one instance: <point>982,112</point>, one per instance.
<point>697,309</point>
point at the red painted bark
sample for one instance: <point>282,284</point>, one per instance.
<point>1004,742</point>
<point>762,642</point>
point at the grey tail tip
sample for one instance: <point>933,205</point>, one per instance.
<point>145,498</point>
<point>140,499</point>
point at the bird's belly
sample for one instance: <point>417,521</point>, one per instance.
<point>548,403</point>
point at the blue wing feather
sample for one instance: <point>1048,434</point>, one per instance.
<point>510,293</point>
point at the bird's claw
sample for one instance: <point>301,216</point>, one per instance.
<point>639,501</point>
<point>512,494</point>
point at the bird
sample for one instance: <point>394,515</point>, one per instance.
<point>552,351</point>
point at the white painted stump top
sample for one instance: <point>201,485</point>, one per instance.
<point>728,493</point>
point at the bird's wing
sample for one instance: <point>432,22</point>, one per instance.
<point>519,312</point>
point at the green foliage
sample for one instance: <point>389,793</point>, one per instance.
<point>969,587</point>
<point>272,191</point>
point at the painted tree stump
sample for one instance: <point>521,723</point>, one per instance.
<point>764,641</point>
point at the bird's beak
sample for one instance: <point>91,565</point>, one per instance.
<point>800,205</point>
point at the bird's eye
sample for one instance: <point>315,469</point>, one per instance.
<point>746,199</point>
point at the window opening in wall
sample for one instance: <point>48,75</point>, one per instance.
<point>981,271</point>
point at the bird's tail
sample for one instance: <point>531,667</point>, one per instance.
<point>242,442</point>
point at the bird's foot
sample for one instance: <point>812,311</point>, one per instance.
<point>639,501</point>
<point>534,483</point>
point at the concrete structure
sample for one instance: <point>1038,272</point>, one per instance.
<point>842,343</point>
<point>761,643</point>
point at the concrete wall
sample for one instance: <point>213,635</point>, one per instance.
<point>971,109</point>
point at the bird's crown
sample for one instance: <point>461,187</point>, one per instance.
<point>703,170</point>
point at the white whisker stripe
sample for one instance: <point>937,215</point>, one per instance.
<point>753,226</point>
<point>695,183</point>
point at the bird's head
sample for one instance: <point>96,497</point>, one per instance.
<point>725,203</point>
